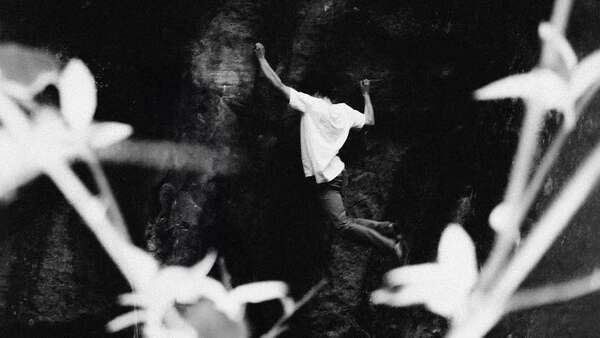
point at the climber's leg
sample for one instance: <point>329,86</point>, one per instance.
<point>333,206</point>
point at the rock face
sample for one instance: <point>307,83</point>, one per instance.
<point>186,72</point>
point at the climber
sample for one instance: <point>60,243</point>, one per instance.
<point>324,128</point>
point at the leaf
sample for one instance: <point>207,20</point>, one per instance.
<point>77,91</point>
<point>125,320</point>
<point>410,274</point>
<point>105,134</point>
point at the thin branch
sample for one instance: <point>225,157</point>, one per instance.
<point>555,293</point>
<point>106,192</point>
<point>280,326</point>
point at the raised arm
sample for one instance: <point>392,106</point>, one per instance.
<point>369,113</point>
<point>259,49</point>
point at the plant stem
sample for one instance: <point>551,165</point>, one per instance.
<point>93,212</point>
<point>555,293</point>
<point>488,309</point>
<point>106,192</point>
<point>503,246</point>
<point>528,143</point>
<point>519,176</point>
<point>559,20</point>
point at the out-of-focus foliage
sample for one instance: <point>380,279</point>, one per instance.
<point>442,286</point>
<point>452,287</point>
<point>37,137</point>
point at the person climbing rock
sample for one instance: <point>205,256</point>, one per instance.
<point>324,128</point>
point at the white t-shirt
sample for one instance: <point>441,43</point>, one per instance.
<point>324,128</point>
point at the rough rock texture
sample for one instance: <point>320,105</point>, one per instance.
<point>186,72</point>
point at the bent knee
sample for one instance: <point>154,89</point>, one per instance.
<point>342,223</point>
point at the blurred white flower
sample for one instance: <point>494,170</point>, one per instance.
<point>443,287</point>
<point>31,141</point>
<point>557,87</point>
<point>77,91</point>
<point>173,285</point>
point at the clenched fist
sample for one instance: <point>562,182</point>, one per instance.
<point>365,85</point>
<point>259,50</point>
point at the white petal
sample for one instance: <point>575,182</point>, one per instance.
<point>410,295</point>
<point>446,299</point>
<point>543,86</point>
<point>203,267</point>
<point>125,320</point>
<point>456,255</point>
<point>108,133</point>
<point>585,75</point>
<point>259,291</point>
<point>133,299</point>
<point>559,44</point>
<point>412,274</point>
<point>205,287</point>
<point>513,86</point>
<point>77,91</point>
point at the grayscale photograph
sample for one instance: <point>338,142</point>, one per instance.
<point>300,169</point>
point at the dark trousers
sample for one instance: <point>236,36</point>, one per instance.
<point>362,230</point>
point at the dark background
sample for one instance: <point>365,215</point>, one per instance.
<point>185,71</point>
